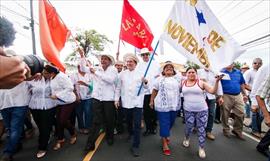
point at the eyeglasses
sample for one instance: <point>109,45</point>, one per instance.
<point>256,63</point>
<point>146,54</point>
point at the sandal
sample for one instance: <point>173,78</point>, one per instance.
<point>167,152</point>
<point>73,139</point>
<point>59,144</point>
<point>41,154</point>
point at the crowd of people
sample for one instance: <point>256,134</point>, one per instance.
<point>104,98</point>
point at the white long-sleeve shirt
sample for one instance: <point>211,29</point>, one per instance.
<point>62,88</point>
<point>104,83</point>
<point>16,97</point>
<point>210,79</point>
<point>82,90</point>
<point>128,86</point>
<point>153,72</point>
<point>260,77</point>
<point>40,95</point>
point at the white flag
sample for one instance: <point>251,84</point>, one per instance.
<point>194,31</point>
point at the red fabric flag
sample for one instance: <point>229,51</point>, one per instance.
<point>53,33</point>
<point>134,30</point>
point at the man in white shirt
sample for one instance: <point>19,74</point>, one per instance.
<point>129,82</point>
<point>209,77</point>
<point>13,105</point>
<point>149,114</point>
<point>103,109</point>
<point>257,116</point>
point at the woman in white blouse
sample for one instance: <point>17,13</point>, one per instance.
<point>164,98</point>
<point>62,93</point>
<point>127,87</point>
<point>43,110</point>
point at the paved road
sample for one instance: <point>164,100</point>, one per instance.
<point>222,149</point>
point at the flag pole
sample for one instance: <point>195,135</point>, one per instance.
<point>146,71</point>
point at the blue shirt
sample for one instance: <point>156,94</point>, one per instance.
<point>233,86</point>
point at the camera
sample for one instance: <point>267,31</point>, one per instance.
<point>35,63</point>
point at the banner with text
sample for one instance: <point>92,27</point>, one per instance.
<point>194,31</point>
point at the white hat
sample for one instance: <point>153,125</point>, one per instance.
<point>119,62</point>
<point>107,55</point>
<point>244,66</point>
<point>145,50</point>
<point>130,56</point>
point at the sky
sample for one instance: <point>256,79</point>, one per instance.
<point>245,20</point>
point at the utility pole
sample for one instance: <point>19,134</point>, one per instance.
<point>32,25</point>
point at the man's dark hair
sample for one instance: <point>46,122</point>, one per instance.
<point>7,32</point>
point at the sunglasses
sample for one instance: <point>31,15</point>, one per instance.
<point>146,54</point>
<point>256,63</point>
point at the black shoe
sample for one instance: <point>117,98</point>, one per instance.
<point>6,157</point>
<point>135,151</point>
<point>146,133</point>
<point>264,152</point>
<point>109,142</point>
<point>89,147</point>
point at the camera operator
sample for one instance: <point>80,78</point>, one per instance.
<point>14,69</point>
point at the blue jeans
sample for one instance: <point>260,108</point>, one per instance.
<point>211,114</point>
<point>256,122</point>
<point>13,118</point>
<point>84,114</point>
<point>247,108</point>
<point>134,117</point>
<point>166,121</point>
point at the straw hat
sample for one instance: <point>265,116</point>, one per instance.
<point>145,50</point>
<point>107,55</point>
<point>131,56</point>
<point>119,62</point>
<point>245,66</point>
<point>167,63</point>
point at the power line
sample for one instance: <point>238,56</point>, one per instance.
<point>224,8</point>
<point>255,40</point>
<point>250,26</point>
<point>21,6</point>
<point>24,35</point>
<point>245,11</point>
<point>252,46</point>
<point>233,7</point>
<point>16,13</point>
<point>251,18</point>
<point>25,9</point>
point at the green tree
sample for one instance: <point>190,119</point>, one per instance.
<point>191,64</point>
<point>237,65</point>
<point>90,41</point>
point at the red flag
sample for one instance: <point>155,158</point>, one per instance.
<point>134,29</point>
<point>53,33</point>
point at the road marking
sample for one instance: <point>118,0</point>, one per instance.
<point>248,135</point>
<point>251,137</point>
<point>91,153</point>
